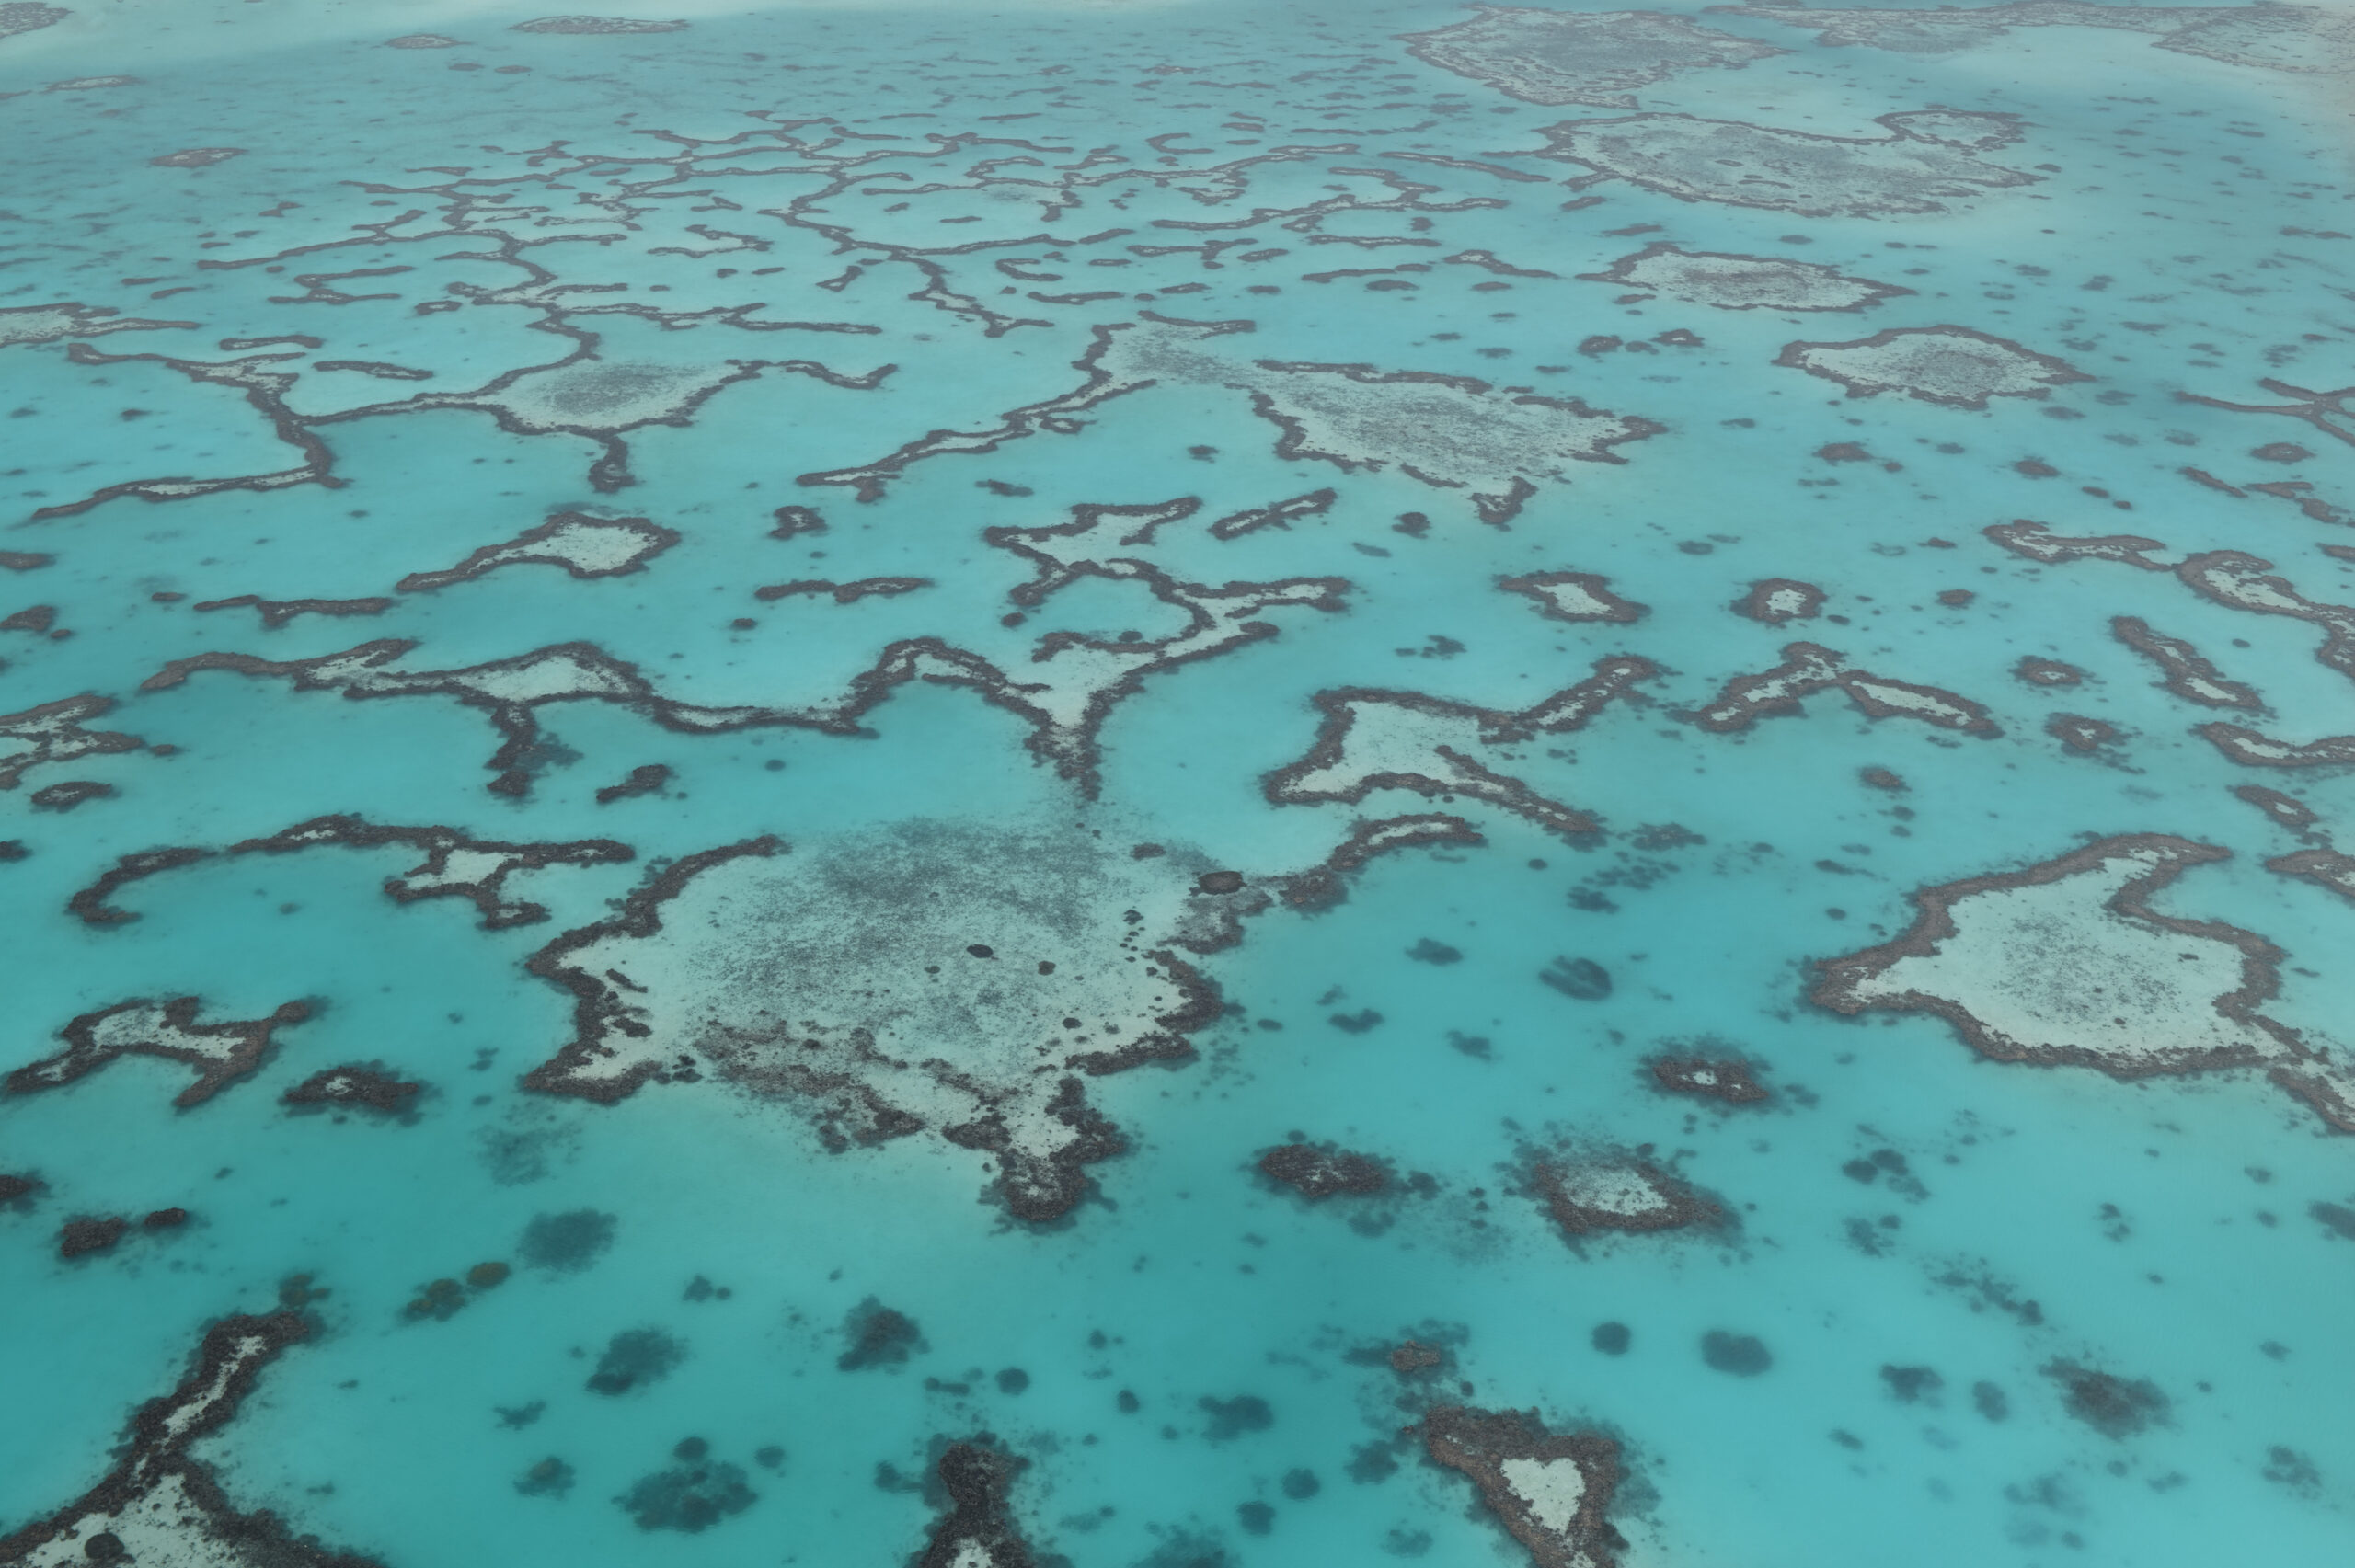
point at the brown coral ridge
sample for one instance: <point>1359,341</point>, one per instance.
<point>2038,543</point>
<point>1555,57</point>
<point>53,733</point>
<point>1055,415</point>
<point>1957,367</point>
<point>598,1007</point>
<point>369,1086</point>
<point>266,390</point>
<point>1586,1193</point>
<point>276,612</point>
<point>1496,508</point>
<point>1575,597</point>
<point>2188,674</point>
<point>650,539</point>
<point>1509,1454</point>
<point>979,1529</point>
<point>1277,514</point>
<point>2286,811</point>
<point>593,25</point>
<point>169,1503</point>
<point>1746,283</point>
<point>2291,1064</point>
<point>1466,421</point>
<point>842,592</point>
<point>1725,1078</point>
<point>2237,35</point>
<point>2052,671</point>
<point>1032,1116</point>
<point>1321,1171</point>
<point>2327,412</point>
<point>2323,866</point>
<point>1064,729</point>
<point>1929,158</point>
<point>2233,578</point>
<point>2082,734</point>
<point>220,1053</point>
<point>1456,773</point>
<point>646,779</point>
<point>1323,885</point>
<point>1810,668</point>
<point>2253,749</point>
<point>2239,582</point>
<point>1774,600</point>
<point>445,851</point>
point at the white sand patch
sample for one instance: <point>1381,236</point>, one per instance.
<point>1551,1490</point>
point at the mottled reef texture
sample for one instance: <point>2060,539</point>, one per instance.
<point>2067,963</point>
<point>1551,1490</point>
<point>1556,57</point>
<point>979,1529</point>
<point>158,1507</point>
<point>1928,160</point>
<point>220,1054</point>
<point>1959,367</point>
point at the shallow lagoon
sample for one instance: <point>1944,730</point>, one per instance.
<point>833,665</point>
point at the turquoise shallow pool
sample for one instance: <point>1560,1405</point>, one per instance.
<point>1177,785</point>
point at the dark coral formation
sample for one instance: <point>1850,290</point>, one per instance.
<point>1810,668</point>
<point>1735,1354</point>
<point>1321,1171</point>
<point>567,1242</point>
<point>53,733</point>
<point>155,1485</point>
<point>1324,773</point>
<point>359,1086</point>
<point>634,1358</point>
<point>692,1496</point>
<point>877,1336</point>
<point>596,25</point>
<point>2185,672</point>
<point>2081,733</point>
<point>1776,599</point>
<point>220,1053</point>
<point>2116,1407</point>
<point>1959,367</point>
<point>979,1530</point>
<point>68,793</point>
<point>276,612</point>
<point>648,779</point>
<point>1557,57</point>
<point>1551,1490</point>
<point>1726,281</point>
<point>1918,168</point>
<point>1582,980</point>
<point>444,851</point>
<point>621,545</point>
<point>1573,595</point>
<point>2077,1008</point>
<point>90,1233</point>
<point>1586,1195</point>
<point>1723,1077</point>
<point>841,593</point>
<point>2038,672</point>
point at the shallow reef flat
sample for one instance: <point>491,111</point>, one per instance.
<point>1176,783</point>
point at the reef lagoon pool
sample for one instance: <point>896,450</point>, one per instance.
<point>1176,783</point>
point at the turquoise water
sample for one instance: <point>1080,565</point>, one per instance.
<point>1199,449</point>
